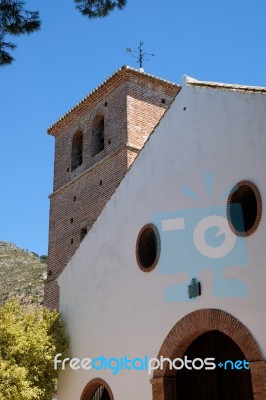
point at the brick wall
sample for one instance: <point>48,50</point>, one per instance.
<point>113,108</point>
<point>78,204</point>
<point>132,104</point>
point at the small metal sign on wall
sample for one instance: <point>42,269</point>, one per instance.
<point>194,289</point>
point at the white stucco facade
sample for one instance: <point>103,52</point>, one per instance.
<point>109,305</point>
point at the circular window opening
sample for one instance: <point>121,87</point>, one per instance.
<point>244,220</point>
<point>148,247</point>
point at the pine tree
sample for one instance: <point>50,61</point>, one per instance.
<point>16,20</point>
<point>98,8</point>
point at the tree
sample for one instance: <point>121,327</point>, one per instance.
<point>16,20</point>
<point>98,8</point>
<point>28,345</point>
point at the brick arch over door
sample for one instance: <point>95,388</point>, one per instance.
<point>91,387</point>
<point>188,329</point>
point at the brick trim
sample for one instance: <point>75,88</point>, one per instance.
<point>199,322</point>
<point>256,192</point>
<point>90,388</point>
<point>163,388</point>
<point>188,329</point>
<point>158,247</point>
<point>258,377</point>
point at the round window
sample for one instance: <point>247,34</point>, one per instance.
<point>245,220</point>
<point>148,247</point>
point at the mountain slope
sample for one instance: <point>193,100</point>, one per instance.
<point>22,275</point>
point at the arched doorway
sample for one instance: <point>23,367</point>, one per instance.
<point>97,389</point>
<point>101,393</point>
<point>223,383</point>
<point>186,332</point>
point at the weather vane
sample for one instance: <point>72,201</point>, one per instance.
<point>140,55</point>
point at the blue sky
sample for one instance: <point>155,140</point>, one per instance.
<point>57,66</point>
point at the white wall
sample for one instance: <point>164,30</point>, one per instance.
<point>110,306</point>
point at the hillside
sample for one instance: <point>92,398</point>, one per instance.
<point>22,275</point>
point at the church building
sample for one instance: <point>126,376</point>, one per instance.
<point>157,240</point>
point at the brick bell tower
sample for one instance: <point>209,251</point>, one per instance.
<point>95,144</point>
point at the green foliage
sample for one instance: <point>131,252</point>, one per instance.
<point>14,20</point>
<point>98,8</point>
<point>28,344</point>
<point>44,258</point>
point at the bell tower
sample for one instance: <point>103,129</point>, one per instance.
<point>95,144</point>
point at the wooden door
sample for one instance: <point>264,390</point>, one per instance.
<point>218,384</point>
